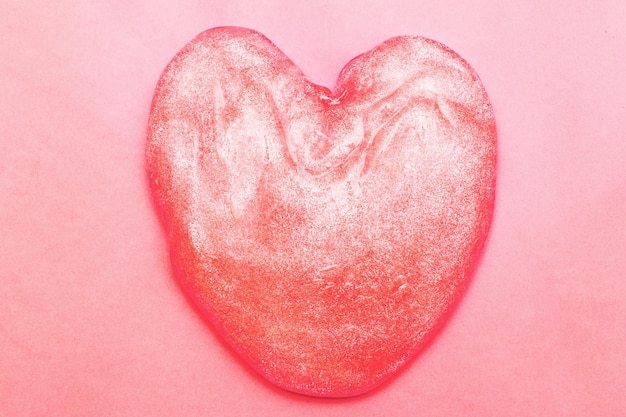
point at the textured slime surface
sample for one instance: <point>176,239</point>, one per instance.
<point>324,233</point>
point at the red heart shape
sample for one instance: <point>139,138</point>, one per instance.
<point>325,235</point>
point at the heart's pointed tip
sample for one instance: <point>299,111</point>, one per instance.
<point>329,389</point>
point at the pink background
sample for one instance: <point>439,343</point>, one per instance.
<point>91,322</point>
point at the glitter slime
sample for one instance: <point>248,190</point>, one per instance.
<point>325,234</point>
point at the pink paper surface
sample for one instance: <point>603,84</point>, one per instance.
<point>91,321</point>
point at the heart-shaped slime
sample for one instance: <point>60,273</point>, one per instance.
<point>324,234</point>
